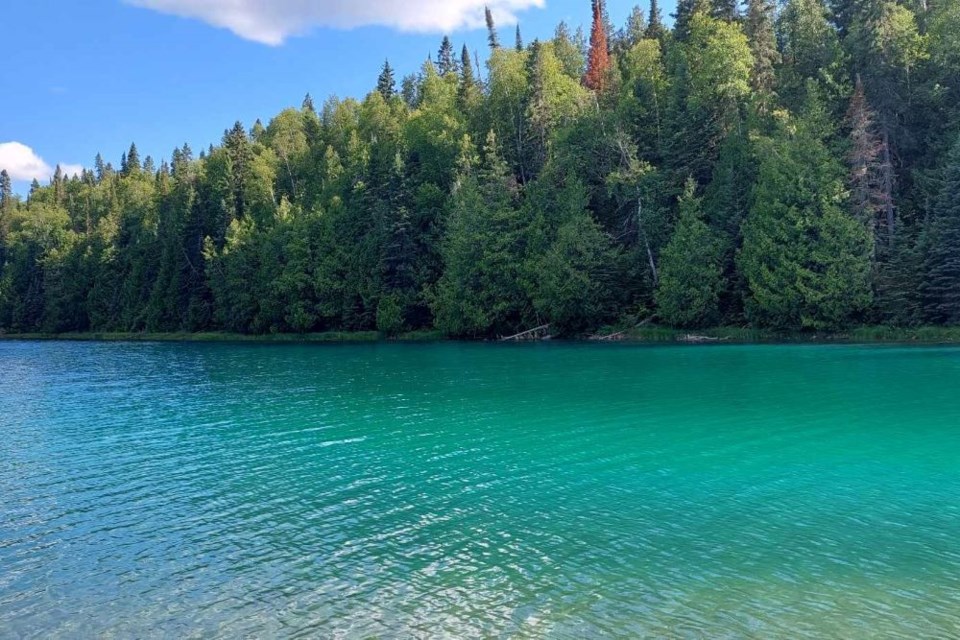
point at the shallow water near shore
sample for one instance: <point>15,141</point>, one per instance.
<point>477,490</point>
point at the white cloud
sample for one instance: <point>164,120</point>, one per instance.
<point>271,22</point>
<point>23,163</point>
<point>71,170</point>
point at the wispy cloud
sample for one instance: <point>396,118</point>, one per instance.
<point>23,163</point>
<point>271,22</point>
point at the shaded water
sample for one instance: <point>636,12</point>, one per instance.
<point>451,490</point>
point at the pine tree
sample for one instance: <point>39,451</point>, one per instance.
<point>386,84</point>
<point>598,61</point>
<point>655,28</point>
<point>763,44</point>
<point>445,62</point>
<point>941,287</point>
<point>492,38</point>
<point>519,41</point>
<point>308,104</point>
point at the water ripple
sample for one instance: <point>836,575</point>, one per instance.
<point>473,491</point>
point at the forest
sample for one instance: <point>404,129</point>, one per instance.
<point>792,166</point>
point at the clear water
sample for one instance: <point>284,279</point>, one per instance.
<point>561,491</point>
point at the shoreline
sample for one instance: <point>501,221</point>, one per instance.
<point>639,336</point>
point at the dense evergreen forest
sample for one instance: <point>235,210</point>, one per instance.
<point>791,166</point>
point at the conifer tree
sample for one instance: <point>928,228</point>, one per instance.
<point>806,261</point>
<point>493,39</point>
<point>308,104</point>
<point>100,167</point>
<point>870,202</point>
<point>655,28</point>
<point>519,41</point>
<point>686,9</point>
<point>468,83</point>
<point>763,44</point>
<point>386,84</point>
<point>635,30</point>
<point>6,207</point>
<point>598,61</point>
<point>728,10</point>
<point>445,62</point>
<point>690,274</point>
<point>941,287</point>
<point>6,192</point>
<point>133,159</point>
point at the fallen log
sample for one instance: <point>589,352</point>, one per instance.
<point>530,334</point>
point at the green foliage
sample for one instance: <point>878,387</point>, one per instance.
<point>382,215</point>
<point>690,273</point>
<point>806,262</point>
<point>941,288</point>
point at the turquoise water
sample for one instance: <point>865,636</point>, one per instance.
<point>458,490</point>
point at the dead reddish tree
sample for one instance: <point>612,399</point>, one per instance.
<point>871,171</point>
<point>598,63</point>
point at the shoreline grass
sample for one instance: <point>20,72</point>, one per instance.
<point>645,335</point>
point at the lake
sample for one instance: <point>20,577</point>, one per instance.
<point>471,490</point>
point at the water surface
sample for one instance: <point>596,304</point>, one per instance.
<point>451,490</point>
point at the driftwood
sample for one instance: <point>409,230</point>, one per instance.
<point>695,339</point>
<point>620,335</point>
<point>537,333</point>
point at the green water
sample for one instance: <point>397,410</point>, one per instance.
<point>561,491</point>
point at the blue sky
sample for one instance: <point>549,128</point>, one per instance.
<point>96,75</point>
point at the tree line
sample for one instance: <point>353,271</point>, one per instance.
<point>791,166</point>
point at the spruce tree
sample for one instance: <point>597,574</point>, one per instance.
<point>655,28</point>
<point>493,39</point>
<point>686,9</point>
<point>445,62</point>
<point>763,44</point>
<point>635,30</point>
<point>133,160</point>
<point>519,41</point>
<point>100,167</point>
<point>468,83</point>
<point>386,84</point>
<point>308,104</point>
<point>941,287</point>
